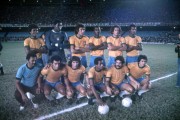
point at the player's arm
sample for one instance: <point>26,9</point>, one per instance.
<point>139,47</point>
<point>108,88</point>
<point>113,48</point>
<point>97,47</point>
<point>104,46</point>
<point>40,85</point>
<point>134,83</point>
<point>76,51</point>
<point>91,83</point>
<point>27,49</point>
<point>68,87</point>
<point>177,48</point>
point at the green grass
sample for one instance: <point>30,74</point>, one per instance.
<point>161,103</point>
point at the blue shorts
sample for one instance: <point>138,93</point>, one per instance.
<point>120,84</point>
<point>111,61</point>
<point>131,59</point>
<point>83,61</point>
<point>52,84</point>
<point>139,80</point>
<point>74,84</point>
<point>99,85</point>
<point>92,58</point>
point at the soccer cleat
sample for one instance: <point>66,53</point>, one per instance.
<point>21,108</point>
<point>50,98</point>
<point>112,98</point>
<point>69,101</point>
<point>90,101</point>
<point>59,96</point>
<point>104,94</point>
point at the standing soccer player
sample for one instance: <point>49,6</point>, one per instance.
<point>133,43</point>
<point>34,44</point>
<point>56,41</point>
<point>79,44</point>
<point>97,44</point>
<point>1,66</point>
<point>177,50</point>
<point>116,44</point>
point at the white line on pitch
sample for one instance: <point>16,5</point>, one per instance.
<point>62,111</point>
<point>84,104</point>
<point>163,77</point>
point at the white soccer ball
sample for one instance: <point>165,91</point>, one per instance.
<point>103,109</point>
<point>127,102</point>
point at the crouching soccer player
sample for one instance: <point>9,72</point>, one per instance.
<point>137,71</point>
<point>116,79</point>
<point>96,77</point>
<point>53,75</point>
<point>26,81</point>
<point>76,71</point>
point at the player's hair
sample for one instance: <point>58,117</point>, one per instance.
<point>97,60</point>
<point>74,58</point>
<point>142,57</point>
<point>132,25</point>
<point>77,28</point>
<point>32,26</point>
<point>120,58</point>
<point>56,22</point>
<point>30,54</point>
<point>113,27</point>
<point>56,58</point>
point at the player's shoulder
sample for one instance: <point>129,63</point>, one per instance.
<point>147,66</point>
<point>27,39</point>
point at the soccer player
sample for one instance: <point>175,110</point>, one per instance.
<point>116,45</point>
<point>95,81</point>
<point>34,44</point>
<point>26,80</point>
<point>53,75</point>
<point>56,41</point>
<point>133,43</point>
<point>177,50</point>
<point>79,44</point>
<point>97,44</point>
<point>116,79</point>
<point>1,66</point>
<point>137,71</point>
<point>76,71</point>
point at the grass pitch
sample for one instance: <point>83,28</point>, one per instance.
<point>161,103</point>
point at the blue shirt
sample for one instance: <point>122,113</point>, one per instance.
<point>28,76</point>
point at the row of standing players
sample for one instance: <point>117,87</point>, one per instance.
<point>66,79</point>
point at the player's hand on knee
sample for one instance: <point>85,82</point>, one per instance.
<point>24,98</point>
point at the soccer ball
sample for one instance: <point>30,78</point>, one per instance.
<point>127,102</point>
<point>104,109</point>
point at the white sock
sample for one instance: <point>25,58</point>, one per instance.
<point>59,95</point>
<point>80,96</point>
<point>104,94</point>
<point>124,92</point>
